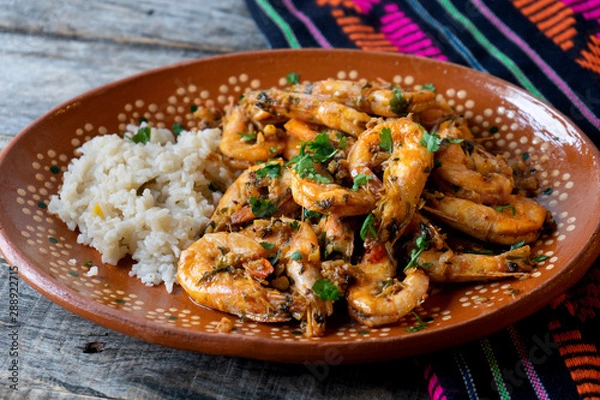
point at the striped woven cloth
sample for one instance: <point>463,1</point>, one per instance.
<point>550,48</point>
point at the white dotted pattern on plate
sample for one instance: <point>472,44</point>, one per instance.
<point>498,124</point>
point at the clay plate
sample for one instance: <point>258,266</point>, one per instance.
<point>49,258</point>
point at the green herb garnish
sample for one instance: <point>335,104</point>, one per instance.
<point>420,324</point>
<point>326,290</point>
<point>431,141</point>
<point>428,86</point>
<point>295,225</point>
<point>308,214</point>
<point>518,245</point>
<point>385,140</point>
<point>292,78</point>
<point>267,246</point>
<point>421,244</point>
<point>539,259</point>
<point>508,206</point>
<point>318,151</point>
<point>398,103</point>
<point>248,137</point>
<point>548,191</point>
<point>177,128</point>
<point>142,135</point>
<point>360,180</point>
<point>262,208</point>
<point>296,256</point>
<point>270,170</point>
<point>493,129</point>
<point>368,227</point>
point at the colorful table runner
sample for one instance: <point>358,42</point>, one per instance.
<point>550,48</point>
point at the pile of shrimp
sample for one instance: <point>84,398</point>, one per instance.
<point>342,191</point>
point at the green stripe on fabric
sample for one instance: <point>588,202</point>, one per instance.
<point>491,359</point>
<point>280,22</point>
<point>493,50</point>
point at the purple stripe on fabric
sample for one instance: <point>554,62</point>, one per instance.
<point>308,23</point>
<point>585,111</point>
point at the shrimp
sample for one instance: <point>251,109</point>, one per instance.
<point>467,170</point>
<point>404,176</point>
<point>377,297</point>
<point>239,140</point>
<point>337,235</point>
<point>372,97</point>
<point>428,249</point>
<point>520,219</point>
<point>309,108</point>
<point>219,271</point>
<point>303,266</point>
<point>331,198</point>
<point>267,183</point>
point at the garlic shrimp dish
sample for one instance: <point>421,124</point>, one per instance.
<point>358,198</point>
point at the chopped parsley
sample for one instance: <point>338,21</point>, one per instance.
<point>296,256</point>
<point>539,259</point>
<point>368,227</point>
<point>398,103</point>
<point>326,290</point>
<point>267,246</point>
<point>508,206</point>
<point>248,137</point>
<point>142,135</point>
<point>262,208</point>
<point>419,326</point>
<point>421,243</point>
<point>318,151</point>
<point>270,170</point>
<point>385,140</point>
<point>360,180</point>
<point>308,214</point>
<point>292,78</point>
<point>518,245</point>
<point>342,141</point>
<point>428,86</point>
<point>431,141</point>
<point>295,225</point>
<point>177,128</point>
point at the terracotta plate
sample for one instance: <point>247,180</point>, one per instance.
<point>50,259</point>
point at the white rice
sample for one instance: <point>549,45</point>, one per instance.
<point>147,200</point>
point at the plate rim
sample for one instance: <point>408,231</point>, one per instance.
<point>312,351</point>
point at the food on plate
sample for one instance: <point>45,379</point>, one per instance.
<point>355,192</point>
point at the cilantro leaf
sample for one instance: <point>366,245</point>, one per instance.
<point>326,290</point>
<point>360,180</point>
<point>296,256</point>
<point>266,245</point>
<point>368,227</point>
<point>428,86</point>
<point>419,326</point>
<point>322,147</point>
<point>262,208</point>
<point>308,214</point>
<point>248,137</point>
<point>292,78</point>
<point>508,206</point>
<point>385,139</point>
<point>270,170</point>
<point>518,245</point>
<point>295,225</point>
<point>431,141</point>
<point>142,135</point>
<point>177,128</point>
<point>318,151</point>
<point>539,259</point>
<point>421,243</point>
<point>398,103</point>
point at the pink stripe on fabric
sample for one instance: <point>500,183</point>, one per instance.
<point>584,6</point>
<point>412,38</point>
<point>593,14</point>
<point>416,46</point>
<point>431,52</point>
<point>365,6</point>
<point>534,379</point>
<point>392,16</point>
<point>397,24</point>
<point>308,23</point>
<point>566,89</point>
<point>396,34</point>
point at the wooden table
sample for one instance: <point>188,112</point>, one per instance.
<point>50,51</point>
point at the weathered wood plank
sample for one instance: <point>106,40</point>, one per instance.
<point>210,25</point>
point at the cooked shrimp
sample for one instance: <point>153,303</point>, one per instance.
<point>404,176</point>
<point>469,171</point>
<point>310,109</point>
<point>268,183</point>
<point>303,266</point>
<point>429,250</point>
<point>217,271</point>
<point>337,235</point>
<point>331,198</point>
<point>520,219</point>
<point>241,142</point>
<point>377,297</point>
